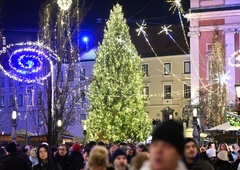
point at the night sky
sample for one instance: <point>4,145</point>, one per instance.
<point>19,18</point>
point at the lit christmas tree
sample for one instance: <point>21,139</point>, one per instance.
<point>117,110</point>
<point>217,93</point>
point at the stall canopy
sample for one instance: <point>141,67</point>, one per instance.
<point>225,127</point>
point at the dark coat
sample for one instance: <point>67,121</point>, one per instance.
<point>64,161</point>
<point>223,165</point>
<point>53,166</point>
<point>199,164</point>
<point>77,164</point>
<point>14,161</point>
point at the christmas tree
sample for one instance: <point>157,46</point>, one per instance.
<point>117,110</point>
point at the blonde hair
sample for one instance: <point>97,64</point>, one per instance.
<point>98,157</point>
<point>223,143</point>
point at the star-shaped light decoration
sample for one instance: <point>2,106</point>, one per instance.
<point>165,29</point>
<point>222,79</point>
<point>141,28</point>
<point>176,4</point>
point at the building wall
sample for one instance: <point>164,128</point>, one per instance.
<point>205,16</point>
<point>156,80</point>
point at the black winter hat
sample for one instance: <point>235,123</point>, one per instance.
<point>117,153</point>
<point>11,148</point>
<point>171,132</point>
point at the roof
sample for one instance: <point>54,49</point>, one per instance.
<point>162,44</point>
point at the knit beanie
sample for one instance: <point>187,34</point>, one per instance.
<point>172,132</point>
<point>76,147</point>
<point>117,153</point>
<point>11,148</point>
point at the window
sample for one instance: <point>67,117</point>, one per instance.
<point>39,98</point>
<point>83,96</point>
<point>10,82</point>
<point>20,100</point>
<point>82,117</point>
<point>167,92</point>
<point>11,101</point>
<point>187,91</point>
<point>2,101</point>
<point>167,68</point>
<point>187,67</point>
<point>82,74</point>
<point>70,75</point>
<point>145,69</point>
<point>2,81</point>
<point>146,91</point>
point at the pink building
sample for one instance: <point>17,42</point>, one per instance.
<point>204,17</point>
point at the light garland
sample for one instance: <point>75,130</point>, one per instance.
<point>26,63</point>
<point>234,59</point>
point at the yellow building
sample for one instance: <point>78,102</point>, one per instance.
<point>167,83</point>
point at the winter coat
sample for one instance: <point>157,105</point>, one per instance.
<point>147,166</point>
<point>14,161</point>
<point>53,166</point>
<point>223,165</point>
<point>199,164</point>
<point>64,161</point>
<point>77,164</point>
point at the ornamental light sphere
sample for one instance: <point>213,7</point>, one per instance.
<point>64,4</point>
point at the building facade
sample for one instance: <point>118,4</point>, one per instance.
<point>167,85</point>
<point>205,16</point>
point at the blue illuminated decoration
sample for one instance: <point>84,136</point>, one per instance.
<point>85,39</point>
<point>30,62</point>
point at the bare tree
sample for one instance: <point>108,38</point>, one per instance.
<point>59,31</point>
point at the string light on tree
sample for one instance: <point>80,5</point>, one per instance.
<point>64,4</point>
<point>234,59</point>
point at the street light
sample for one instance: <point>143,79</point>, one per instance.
<point>14,125</point>
<point>195,134</point>
<point>85,133</point>
<point>59,137</point>
<point>85,40</point>
<point>170,117</point>
<point>237,87</point>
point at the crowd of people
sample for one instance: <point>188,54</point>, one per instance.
<point>169,150</point>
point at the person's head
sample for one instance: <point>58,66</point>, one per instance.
<point>130,151</point>
<point>98,158</point>
<point>11,148</point>
<point>86,154</point>
<point>223,147</point>
<point>43,154</point>
<point>119,159</point>
<point>26,150</point>
<point>235,147</point>
<point>137,161</point>
<point>190,149</point>
<point>167,145</point>
<point>139,147</point>
<point>211,145</point>
<point>145,152</point>
<point>63,149</point>
<point>76,147</point>
<point>113,148</point>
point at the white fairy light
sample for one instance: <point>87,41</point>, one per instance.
<point>64,4</point>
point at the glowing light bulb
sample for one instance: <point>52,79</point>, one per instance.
<point>64,4</point>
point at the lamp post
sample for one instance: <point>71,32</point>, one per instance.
<point>14,125</point>
<point>85,133</point>
<point>59,136</point>
<point>196,135</point>
<point>237,87</point>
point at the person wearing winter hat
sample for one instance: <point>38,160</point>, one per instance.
<point>120,160</point>
<point>13,160</point>
<point>192,158</point>
<point>223,160</point>
<point>166,149</point>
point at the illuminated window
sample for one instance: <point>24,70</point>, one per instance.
<point>167,91</point>
<point>167,68</point>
